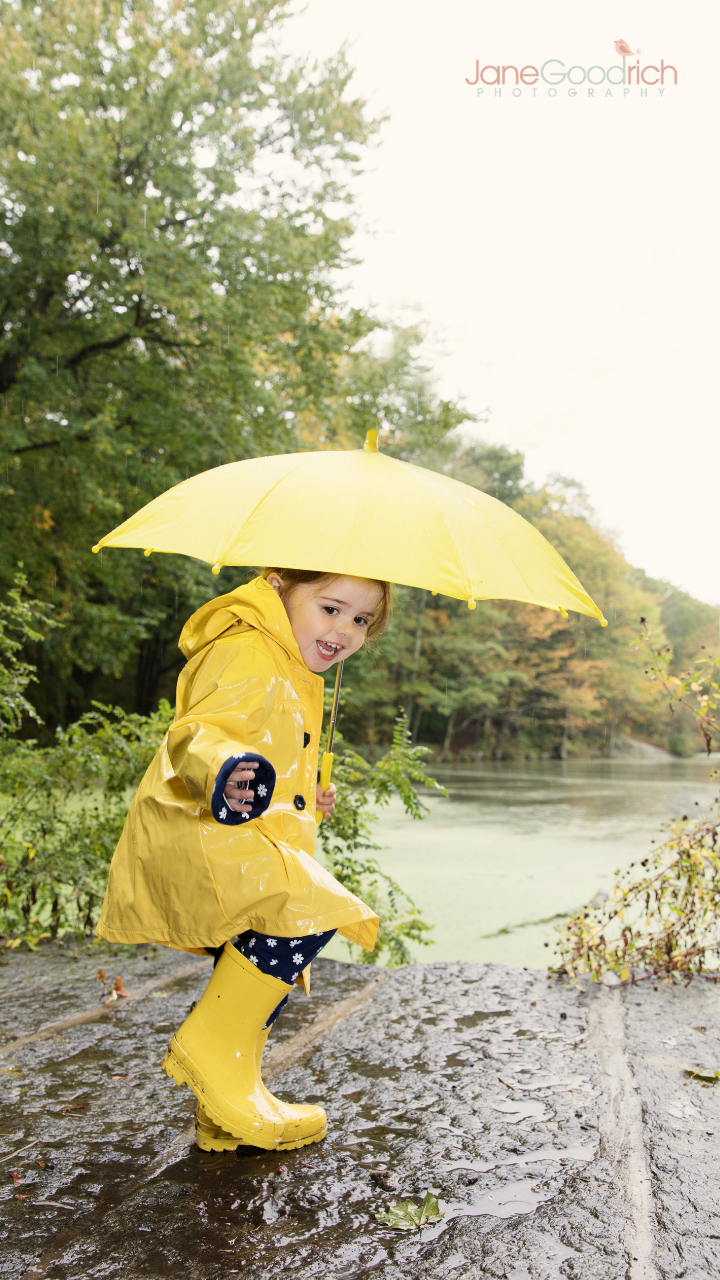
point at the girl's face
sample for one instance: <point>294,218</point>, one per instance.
<point>329,620</point>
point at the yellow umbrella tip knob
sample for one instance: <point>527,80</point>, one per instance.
<point>96,548</point>
<point>217,567</point>
<point>371,441</point>
<point>472,604</point>
<point>603,622</point>
<point>148,551</point>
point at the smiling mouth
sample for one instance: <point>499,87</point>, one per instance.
<point>328,650</point>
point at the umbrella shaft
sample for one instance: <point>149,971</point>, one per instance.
<point>333,715</point>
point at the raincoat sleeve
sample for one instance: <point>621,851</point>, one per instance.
<point>228,701</point>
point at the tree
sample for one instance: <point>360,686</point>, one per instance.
<point>168,302</point>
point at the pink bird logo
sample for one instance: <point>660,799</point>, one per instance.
<point>623,48</point>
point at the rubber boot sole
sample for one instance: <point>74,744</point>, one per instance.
<point>182,1070</point>
<point>211,1137</point>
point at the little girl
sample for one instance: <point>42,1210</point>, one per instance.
<point>216,855</point>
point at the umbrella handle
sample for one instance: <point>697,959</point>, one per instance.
<point>326,765</point>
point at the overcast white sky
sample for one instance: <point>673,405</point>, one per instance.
<point>563,251</point>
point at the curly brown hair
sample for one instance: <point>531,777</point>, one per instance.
<point>299,577</point>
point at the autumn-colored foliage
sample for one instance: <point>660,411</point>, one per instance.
<point>662,919</point>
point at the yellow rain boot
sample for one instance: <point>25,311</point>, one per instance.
<point>304,1123</point>
<point>215,1051</point>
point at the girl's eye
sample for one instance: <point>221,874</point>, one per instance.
<point>361,622</point>
<point>330,610</point>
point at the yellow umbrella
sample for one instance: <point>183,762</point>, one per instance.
<point>361,513</point>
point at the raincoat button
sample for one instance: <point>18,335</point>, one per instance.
<point>299,802</point>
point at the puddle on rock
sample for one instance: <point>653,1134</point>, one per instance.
<point>558,1154</point>
<point>519,1110</point>
<point>481,1015</point>
<point>514,1199</point>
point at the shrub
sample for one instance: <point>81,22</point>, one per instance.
<point>662,921</point>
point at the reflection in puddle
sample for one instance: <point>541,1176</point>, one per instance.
<point>576,1152</point>
<point>522,1110</point>
<point>509,1201</point>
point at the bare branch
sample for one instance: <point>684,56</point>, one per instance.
<point>110,344</point>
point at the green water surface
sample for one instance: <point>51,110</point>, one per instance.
<point>515,844</point>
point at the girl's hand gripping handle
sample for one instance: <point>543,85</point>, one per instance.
<point>326,765</point>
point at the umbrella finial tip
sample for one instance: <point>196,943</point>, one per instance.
<point>371,440</point>
<point>96,548</point>
<point>472,604</point>
<point>148,551</point>
<point>603,622</point>
<point>216,568</point>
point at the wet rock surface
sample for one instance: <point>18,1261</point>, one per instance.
<point>673,1034</point>
<point>478,1083</point>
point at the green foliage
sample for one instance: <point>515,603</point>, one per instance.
<point>62,807</point>
<point>348,846</point>
<point>663,921</point>
<point>63,810</point>
<point>23,621</point>
<point>176,213</point>
<point>385,385</point>
<point>408,1216</point>
<point>694,690</point>
<point>168,300</point>
<point>690,625</point>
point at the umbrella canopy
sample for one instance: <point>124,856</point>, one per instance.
<point>361,513</point>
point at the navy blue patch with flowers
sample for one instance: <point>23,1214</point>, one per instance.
<point>263,785</point>
<point>282,958</point>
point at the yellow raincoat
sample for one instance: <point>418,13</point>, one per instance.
<point>190,873</point>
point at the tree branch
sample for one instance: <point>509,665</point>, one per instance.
<point>110,344</point>
<point>169,342</point>
<point>51,444</point>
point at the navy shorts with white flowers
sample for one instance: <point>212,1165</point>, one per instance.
<point>282,958</point>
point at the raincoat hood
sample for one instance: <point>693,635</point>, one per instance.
<point>255,605</point>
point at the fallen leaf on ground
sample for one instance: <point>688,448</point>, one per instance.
<point>75,1106</point>
<point>123,1077</point>
<point>119,987</point>
<point>698,1071</point>
<point>16,1176</point>
<point>20,1197</point>
<point>407,1216</point>
<point>160,994</point>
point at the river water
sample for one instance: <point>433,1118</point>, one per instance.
<point>514,845</point>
